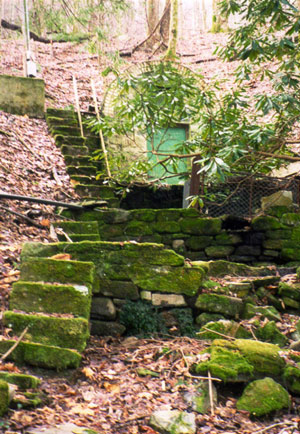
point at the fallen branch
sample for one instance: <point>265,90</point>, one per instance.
<point>211,59</point>
<point>217,333</point>
<point>22,216</point>
<point>40,200</point>
<point>211,394</point>
<point>293,424</point>
<point>14,345</point>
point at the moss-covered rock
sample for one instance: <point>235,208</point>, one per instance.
<point>47,298</point>
<point>144,215</point>
<point>166,227</point>
<point>206,317</point>
<point>137,228</point>
<point>168,215</point>
<point>291,290</point>
<point>4,397</point>
<point>23,381</point>
<point>225,327</point>
<point>198,242</point>
<point>265,223</point>
<point>216,303</point>
<point>269,312</point>
<point>262,397</point>
<point>119,289</point>
<point>291,377</point>
<point>72,227</point>
<point>290,219</point>
<point>290,254</point>
<point>107,328</point>
<point>44,356</point>
<point>222,251</point>
<point>201,226</point>
<point>173,422</point>
<point>221,268</point>
<point>270,333</point>
<point>179,280</point>
<point>228,239</point>
<point>57,270</point>
<point>48,330</point>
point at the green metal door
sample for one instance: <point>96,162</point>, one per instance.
<point>166,141</point>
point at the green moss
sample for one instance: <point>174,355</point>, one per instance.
<point>144,215</point>
<point>290,219</point>
<point>215,303</point>
<point>168,215</point>
<point>137,228</point>
<point>265,223</point>
<point>23,381</point>
<point>189,212</point>
<point>280,234</point>
<point>221,268</point>
<point>291,290</point>
<point>27,400</point>
<point>228,239</point>
<point>291,377</point>
<point>72,227</point>
<point>228,328</point>
<point>270,333</point>
<point>57,270</point>
<point>273,244</point>
<point>110,232</point>
<point>39,297</point>
<point>201,226</point>
<point>4,397</point>
<point>168,227</point>
<point>206,317</point>
<point>63,332</point>
<point>119,289</point>
<point>179,280</point>
<point>262,397</point>
<point>198,243</point>
<point>290,254</point>
<point>225,364</point>
<point>269,312</point>
<point>219,251</point>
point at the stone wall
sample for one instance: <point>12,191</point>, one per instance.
<point>273,238</point>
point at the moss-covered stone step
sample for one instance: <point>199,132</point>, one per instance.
<point>78,227</point>
<point>80,237</point>
<point>58,121</point>
<point>74,151</point>
<point>57,271</point>
<point>4,397</point>
<point>48,298</point>
<point>61,113</point>
<point>62,139</point>
<point>84,180</point>
<point>102,191</point>
<point>71,333</point>
<point>221,268</point>
<point>43,356</point>
<point>23,381</point>
<point>88,170</point>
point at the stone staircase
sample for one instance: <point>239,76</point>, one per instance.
<point>78,152</point>
<point>52,302</point>
<point>77,230</point>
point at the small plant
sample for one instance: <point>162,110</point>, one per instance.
<point>140,318</point>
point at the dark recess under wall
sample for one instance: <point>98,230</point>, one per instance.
<point>155,198</point>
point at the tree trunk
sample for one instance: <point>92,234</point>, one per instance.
<point>173,32</point>
<point>152,20</point>
<point>165,23</point>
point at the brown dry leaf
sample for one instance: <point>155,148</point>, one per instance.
<point>88,372</point>
<point>22,417</point>
<point>45,222</point>
<point>82,410</point>
<point>73,182</point>
<point>61,256</point>
<point>13,273</point>
<point>111,388</point>
<point>10,367</point>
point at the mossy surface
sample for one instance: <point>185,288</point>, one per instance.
<point>291,377</point>
<point>265,223</point>
<point>137,228</point>
<point>221,251</point>
<point>44,356</point>
<point>262,397</point>
<point>4,397</point>
<point>290,219</point>
<point>226,327</point>
<point>57,270</point>
<point>225,364</point>
<point>88,227</point>
<point>201,226</point>
<point>47,298</point>
<point>270,333</point>
<point>198,242</point>
<point>178,280</point>
<point>221,268</point>
<point>23,381</point>
<point>291,290</point>
<point>269,312</point>
<point>166,227</point>
<point>216,303</point>
<point>62,332</point>
<point>119,289</point>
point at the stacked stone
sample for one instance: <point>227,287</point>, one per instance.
<point>51,302</point>
<point>78,152</point>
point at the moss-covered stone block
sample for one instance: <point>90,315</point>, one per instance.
<point>270,333</point>
<point>225,327</point>
<point>201,226</point>
<point>265,223</point>
<point>144,215</point>
<point>107,328</point>
<point>219,251</point>
<point>179,280</point>
<point>4,397</point>
<point>269,312</point>
<point>77,238</point>
<point>47,298</point>
<point>206,317</point>
<point>262,397</point>
<point>215,303</point>
<point>189,212</point>
<point>291,378</point>
<point>290,219</point>
<point>228,239</point>
<point>221,268</point>
<point>44,356</point>
<point>119,289</point>
<point>110,232</point>
<point>291,290</point>
<point>290,254</point>
<point>63,332</point>
<point>273,244</point>
<point>167,227</point>
<point>74,150</point>
<point>198,242</point>
<point>57,270</point>
<point>73,227</point>
<point>279,234</point>
<point>168,215</point>
<point>137,228</point>
<point>23,381</point>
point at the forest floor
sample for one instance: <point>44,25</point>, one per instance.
<point>106,393</point>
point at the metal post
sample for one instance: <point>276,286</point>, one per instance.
<point>30,64</point>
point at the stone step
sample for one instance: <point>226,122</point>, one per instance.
<point>49,298</point>
<point>82,170</point>
<point>64,332</point>
<point>57,271</point>
<point>81,227</point>
<point>110,203</point>
<point>98,191</point>
<point>62,139</point>
<point>75,151</point>
<point>53,121</point>
<point>43,356</point>
<point>80,237</point>
<point>80,160</point>
<point>23,381</point>
<point>74,130</point>
<point>61,113</point>
<point>84,180</point>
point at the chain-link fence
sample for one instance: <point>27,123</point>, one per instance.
<point>241,195</point>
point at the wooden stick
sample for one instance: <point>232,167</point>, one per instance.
<point>14,345</point>
<point>293,424</point>
<point>77,105</point>
<point>217,333</point>
<point>29,220</point>
<point>100,131</point>
<point>211,394</point>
